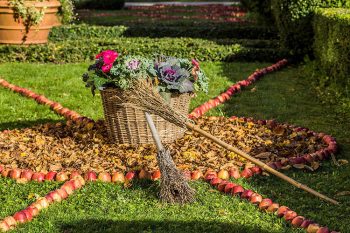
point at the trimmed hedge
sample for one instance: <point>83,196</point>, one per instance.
<point>193,29</point>
<point>73,32</point>
<point>76,32</point>
<point>293,19</point>
<point>332,50</point>
<point>85,49</point>
<point>202,31</point>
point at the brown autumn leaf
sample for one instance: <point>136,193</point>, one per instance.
<point>299,166</point>
<point>342,162</point>
<point>279,130</point>
<point>315,165</point>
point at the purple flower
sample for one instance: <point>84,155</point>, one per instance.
<point>133,64</point>
<point>169,72</point>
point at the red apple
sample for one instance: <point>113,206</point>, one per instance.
<point>10,221</point>
<point>104,177</point>
<point>28,215</point>
<point>80,179</point>
<point>36,205</point>
<point>156,175</point>
<point>50,175</point>
<point>273,208</point>
<point>43,202</point>
<point>74,174</point>
<point>4,226</point>
<point>38,176</point>
<point>313,228</point>
<point>265,203</point>
<point>20,217</point>
<point>49,198</point>
<point>1,168</point>
<point>143,174</point>
<point>15,173</point>
<point>118,177</point>
<point>229,187</point>
<point>55,196</point>
<point>255,198</point>
<point>222,185</point>
<point>196,175</point>
<point>247,194</point>
<point>247,173</point>
<point>215,181</point>
<point>256,170</point>
<point>237,190</point>
<point>61,176</point>
<point>305,224</point>
<point>90,176</point>
<point>234,173</point>
<point>297,221</point>
<point>68,187</point>
<point>290,215</point>
<point>323,230</point>
<point>33,211</point>
<point>223,174</point>
<point>210,172</point>
<point>63,193</point>
<point>27,174</point>
<point>77,183</point>
<point>282,210</point>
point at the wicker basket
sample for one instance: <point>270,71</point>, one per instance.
<point>128,125</point>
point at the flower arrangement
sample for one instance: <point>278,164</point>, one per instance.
<point>168,74</point>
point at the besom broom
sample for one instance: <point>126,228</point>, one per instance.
<point>174,187</point>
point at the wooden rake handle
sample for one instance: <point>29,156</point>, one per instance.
<point>260,164</point>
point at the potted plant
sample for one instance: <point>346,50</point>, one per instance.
<point>175,79</point>
<point>30,21</point>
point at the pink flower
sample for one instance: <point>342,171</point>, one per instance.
<point>107,67</point>
<point>109,56</point>
<point>195,63</point>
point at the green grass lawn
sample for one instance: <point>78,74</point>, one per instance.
<point>285,96</point>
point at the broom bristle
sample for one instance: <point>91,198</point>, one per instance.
<point>173,187</point>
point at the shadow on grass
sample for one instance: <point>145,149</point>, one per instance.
<point>24,124</point>
<point>98,225</point>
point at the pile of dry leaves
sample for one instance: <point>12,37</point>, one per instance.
<point>55,147</point>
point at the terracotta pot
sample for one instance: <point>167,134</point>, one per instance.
<point>12,31</point>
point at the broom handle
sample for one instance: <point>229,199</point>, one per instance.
<point>154,132</point>
<point>260,164</point>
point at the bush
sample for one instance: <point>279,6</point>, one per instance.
<point>194,30</point>
<point>100,4</point>
<point>202,31</point>
<point>79,50</point>
<point>294,22</point>
<point>262,8</point>
<point>76,32</point>
<point>332,51</point>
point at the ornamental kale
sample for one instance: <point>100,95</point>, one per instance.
<point>180,75</point>
<point>167,73</point>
